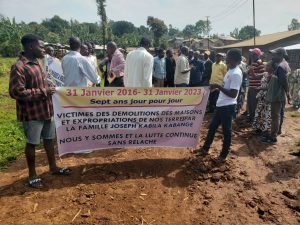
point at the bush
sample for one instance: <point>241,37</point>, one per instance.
<point>5,65</point>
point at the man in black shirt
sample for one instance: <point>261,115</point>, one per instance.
<point>170,68</point>
<point>207,69</point>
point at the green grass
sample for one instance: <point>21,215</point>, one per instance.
<point>295,114</point>
<point>11,133</point>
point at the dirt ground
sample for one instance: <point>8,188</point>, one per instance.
<point>258,185</point>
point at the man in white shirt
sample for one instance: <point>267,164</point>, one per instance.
<point>182,71</point>
<point>139,66</point>
<point>91,57</point>
<point>226,103</point>
<point>77,69</point>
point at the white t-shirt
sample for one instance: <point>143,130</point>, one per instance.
<point>232,80</point>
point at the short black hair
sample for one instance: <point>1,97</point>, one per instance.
<point>75,43</point>
<point>145,42</point>
<point>235,54</point>
<point>184,50</point>
<point>29,38</point>
<point>160,50</point>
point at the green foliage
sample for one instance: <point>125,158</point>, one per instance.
<point>52,38</point>
<point>174,32</point>
<point>189,31</point>
<point>56,24</point>
<point>5,65</point>
<point>10,36</point>
<point>102,13</point>
<point>158,28</point>
<point>202,27</point>
<point>246,32</point>
<point>295,25</point>
<point>12,140</point>
<point>120,28</point>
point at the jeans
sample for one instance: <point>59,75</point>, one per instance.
<point>213,97</point>
<point>222,115</point>
<point>36,129</point>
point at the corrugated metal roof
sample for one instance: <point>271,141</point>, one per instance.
<point>263,40</point>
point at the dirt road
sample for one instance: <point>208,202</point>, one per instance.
<point>259,185</point>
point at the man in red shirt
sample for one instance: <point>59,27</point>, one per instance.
<point>28,85</point>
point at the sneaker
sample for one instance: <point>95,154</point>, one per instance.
<point>270,141</point>
<point>202,152</point>
<point>219,160</point>
<point>295,153</point>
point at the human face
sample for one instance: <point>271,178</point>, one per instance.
<point>218,58</point>
<point>276,58</point>
<point>84,51</point>
<point>170,54</point>
<point>110,52</point>
<point>161,54</point>
<point>38,50</point>
<point>254,57</point>
<point>230,61</point>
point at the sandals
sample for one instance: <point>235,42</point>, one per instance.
<point>62,171</point>
<point>35,182</point>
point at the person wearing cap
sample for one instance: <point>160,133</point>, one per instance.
<point>219,69</point>
<point>226,104</point>
<point>278,90</point>
<point>196,71</point>
<point>254,76</point>
<point>191,56</point>
<point>182,70</point>
<point>207,69</point>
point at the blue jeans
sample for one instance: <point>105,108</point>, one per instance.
<point>222,115</point>
<point>36,129</point>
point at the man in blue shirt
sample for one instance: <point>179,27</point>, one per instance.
<point>159,69</point>
<point>196,71</point>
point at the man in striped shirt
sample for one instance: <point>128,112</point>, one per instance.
<point>256,68</point>
<point>28,85</point>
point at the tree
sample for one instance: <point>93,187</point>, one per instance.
<point>10,36</point>
<point>102,13</point>
<point>158,27</point>
<point>173,32</point>
<point>295,25</point>
<point>120,28</point>
<point>202,28</point>
<point>246,32</point>
<point>189,31</point>
<point>235,33</point>
<point>56,24</point>
<point>52,38</point>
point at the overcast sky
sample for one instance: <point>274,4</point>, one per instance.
<point>271,15</point>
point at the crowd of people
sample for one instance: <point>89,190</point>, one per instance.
<point>228,75</point>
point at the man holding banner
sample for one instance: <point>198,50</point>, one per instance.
<point>226,103</point>
<point>28,85</point>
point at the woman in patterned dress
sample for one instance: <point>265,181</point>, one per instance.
<point>262,119</point>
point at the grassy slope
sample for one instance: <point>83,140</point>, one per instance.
<point>11,133</point>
